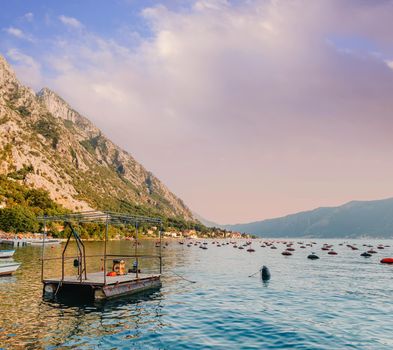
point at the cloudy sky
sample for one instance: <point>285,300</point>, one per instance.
<point>245,109</point>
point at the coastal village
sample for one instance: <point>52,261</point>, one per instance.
<point>151,233</point>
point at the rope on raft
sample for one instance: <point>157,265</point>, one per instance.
<point>255,273</point>
<point>182,277</point>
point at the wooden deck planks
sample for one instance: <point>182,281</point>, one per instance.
<point>97,278</point>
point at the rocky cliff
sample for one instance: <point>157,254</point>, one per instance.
<point>44,143</point>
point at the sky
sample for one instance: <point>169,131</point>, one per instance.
<point>245,109</point>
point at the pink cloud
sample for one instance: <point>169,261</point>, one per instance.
<point>247,111</point>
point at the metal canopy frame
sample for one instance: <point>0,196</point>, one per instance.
<point>99,217</point>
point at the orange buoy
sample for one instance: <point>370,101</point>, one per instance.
<point>387,261</point>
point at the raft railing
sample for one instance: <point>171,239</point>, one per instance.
<point>99,217</point>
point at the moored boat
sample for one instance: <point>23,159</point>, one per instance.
<point>8,268</point>
<point>7,253</point>
<point>47,241</point>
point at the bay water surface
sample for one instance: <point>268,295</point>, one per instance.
<point>336,302</point>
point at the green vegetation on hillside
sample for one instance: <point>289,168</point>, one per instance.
<point>47,128</point>
<point>23,205</point>
<point>21,173</point>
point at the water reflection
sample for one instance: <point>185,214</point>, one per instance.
<point>82,322</point>
<point>265,283</point>
<point>28,318</point>
<point>307,304</point>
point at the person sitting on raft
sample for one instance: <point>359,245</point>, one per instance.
<point>134,268</point>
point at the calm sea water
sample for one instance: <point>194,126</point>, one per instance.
<point>337,302</point>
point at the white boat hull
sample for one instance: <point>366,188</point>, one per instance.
<point>8,269</point>
<point>6,253</point>
<point>47,241</point>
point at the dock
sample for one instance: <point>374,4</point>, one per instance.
<point>16,242</point>
<point>95,287</point>
<point>22,242</point>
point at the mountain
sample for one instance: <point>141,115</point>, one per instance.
<point>204,221</point>
<point>46,144</point>
<point>353,219</point>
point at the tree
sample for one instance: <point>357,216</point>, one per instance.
<point>18,219</point>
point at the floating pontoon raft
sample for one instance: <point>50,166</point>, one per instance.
<point>99,285</point>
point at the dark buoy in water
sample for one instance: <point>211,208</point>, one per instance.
<point>265,273</point>
<point>313,256</point>
<point>365,254</point>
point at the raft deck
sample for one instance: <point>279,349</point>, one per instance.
<point>94,285</point>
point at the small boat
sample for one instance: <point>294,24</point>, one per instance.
<point>47,241</point>
<point>286,253</point>
<point>7,253</point>
<point>8,268</point>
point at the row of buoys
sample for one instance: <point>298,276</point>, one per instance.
<point>289,248</point>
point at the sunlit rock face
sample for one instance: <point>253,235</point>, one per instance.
<point>46,144</point>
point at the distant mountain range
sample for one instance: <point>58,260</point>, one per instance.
<point>353,219</point>
<point>46,144</point>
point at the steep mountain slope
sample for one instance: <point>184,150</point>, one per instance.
<point>353,219</point>
<point>44,143</point>
<point>204,221</point>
